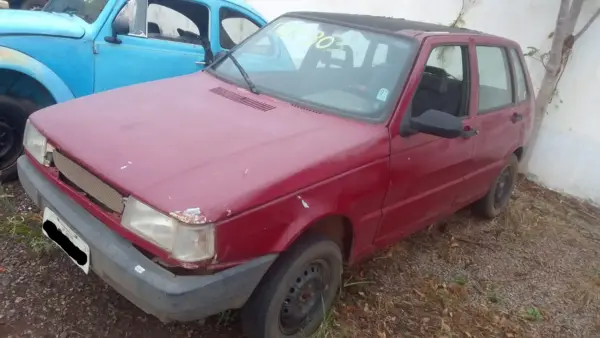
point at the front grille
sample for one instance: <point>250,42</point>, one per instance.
<point>77,177</point>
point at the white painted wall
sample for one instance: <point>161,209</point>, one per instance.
<point>567,157</point>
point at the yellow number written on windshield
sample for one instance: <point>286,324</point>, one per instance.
<point>321,40</point>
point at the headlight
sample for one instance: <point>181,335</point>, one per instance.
<point>186,243</point>
<point>35,143</point>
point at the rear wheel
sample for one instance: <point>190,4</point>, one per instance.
<point>497,198</point>
<point>13,116</point>
<point>297,292</point>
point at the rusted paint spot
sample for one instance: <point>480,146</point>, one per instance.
<point>304,204</point>
<point>190,216</point>
<point>127,165</point>
<point>14,57</point>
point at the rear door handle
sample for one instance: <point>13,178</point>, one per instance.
<point>201,63</point>
<point>516,117</point>
<point>469,132</point>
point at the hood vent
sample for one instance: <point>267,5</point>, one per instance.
<point>242,99</point>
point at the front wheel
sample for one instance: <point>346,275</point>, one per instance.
<point>497,198</point>
<point>13,116</point>
<point>297,292</point>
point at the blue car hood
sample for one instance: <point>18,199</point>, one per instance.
<point>17,22</point>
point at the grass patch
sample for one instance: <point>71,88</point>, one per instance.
<point>18,227</point>
<point>533,314</point>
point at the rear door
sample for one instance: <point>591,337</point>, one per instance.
<point>499,117</point>
<point>524,100</point>
<point>427,172</point>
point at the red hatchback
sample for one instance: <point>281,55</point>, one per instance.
<point>318,140</point>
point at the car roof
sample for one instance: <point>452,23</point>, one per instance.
<point>381,23</point>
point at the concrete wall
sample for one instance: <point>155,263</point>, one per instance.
<point>567,157</point>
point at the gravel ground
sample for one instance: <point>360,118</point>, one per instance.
<point>534,272</point>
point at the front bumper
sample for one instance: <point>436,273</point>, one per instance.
<point>152,288</point>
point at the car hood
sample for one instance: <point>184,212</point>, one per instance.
<point>189,142</point>
<point>40,23</point>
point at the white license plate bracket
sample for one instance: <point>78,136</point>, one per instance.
<point>67,239</point>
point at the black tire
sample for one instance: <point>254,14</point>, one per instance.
<point>266,316</point>
<point>498,197</point>
<point>13,116</point>
<point>33,4</point>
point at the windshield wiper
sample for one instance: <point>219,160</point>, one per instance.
<point>251,85</point>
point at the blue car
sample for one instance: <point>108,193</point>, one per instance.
<point>74,48</point>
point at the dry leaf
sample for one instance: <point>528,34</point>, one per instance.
<point>445,327</point>
<point>419,293</point>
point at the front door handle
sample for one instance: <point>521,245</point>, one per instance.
<point>516,117</point>
<point>201,63</point>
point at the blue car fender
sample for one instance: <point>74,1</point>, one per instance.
<point>23,63</point>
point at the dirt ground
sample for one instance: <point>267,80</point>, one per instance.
<point>534,272</point>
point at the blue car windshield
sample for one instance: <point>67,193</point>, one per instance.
<point>332,68</point>
<point>88,10</point>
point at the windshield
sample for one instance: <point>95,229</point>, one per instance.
<point>344,70</point>
<point>88,10</point>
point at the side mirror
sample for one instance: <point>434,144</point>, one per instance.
<point>437,123</point>
<point>120,26</point>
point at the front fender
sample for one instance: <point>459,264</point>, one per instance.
<point>23,63</point>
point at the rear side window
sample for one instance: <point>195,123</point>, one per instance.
<point>520,79</point>
<point>495,88</point>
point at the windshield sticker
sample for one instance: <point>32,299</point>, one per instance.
<point>383,94</point>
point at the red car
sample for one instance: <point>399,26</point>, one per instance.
<point>320,139</point>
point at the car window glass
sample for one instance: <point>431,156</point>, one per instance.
<point>328,66</point>
<point>520,79</point>
<point>134,12</point>
<point>448,58</point>
<point>380,55</point>
<point>441,86</point>
<point>235,27</point>
<point>174,20</point>
<point>495,90</point>
<point>88,10</point>
<point>164,22</point>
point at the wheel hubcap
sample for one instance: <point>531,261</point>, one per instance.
<point>503,188</point>
<point>304,297</point>
<point>7,139</point>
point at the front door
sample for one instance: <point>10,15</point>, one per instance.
<point>427,172</point>
<point>166,39</point>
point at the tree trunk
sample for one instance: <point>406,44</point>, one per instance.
<point>565,25</point>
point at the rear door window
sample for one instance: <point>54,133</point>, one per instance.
<point>520,79</point>
<point>495,85</point>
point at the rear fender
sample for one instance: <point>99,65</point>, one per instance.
<point>23,63</point>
